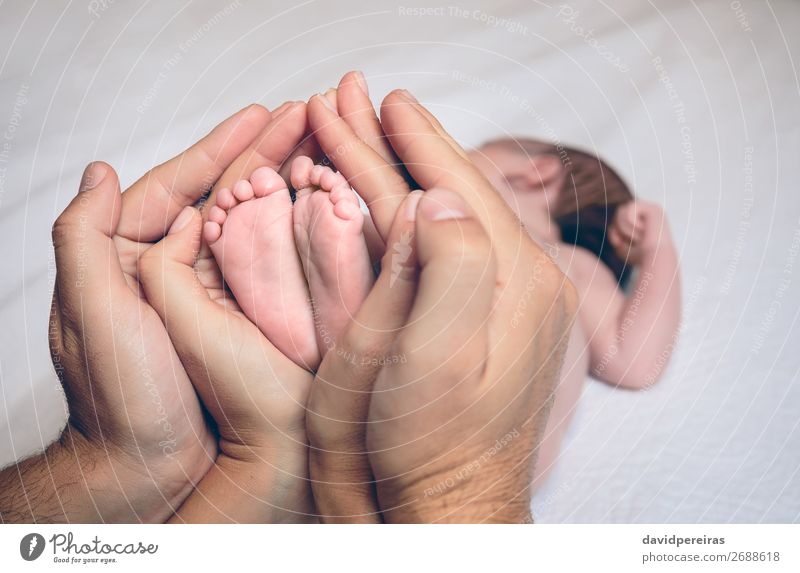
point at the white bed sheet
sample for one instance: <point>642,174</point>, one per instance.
<point>696,104</point>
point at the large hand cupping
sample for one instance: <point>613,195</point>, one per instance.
<point>137,440</point>
<point>435,405</point>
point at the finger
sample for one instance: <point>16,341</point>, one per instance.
<point>367,172</point>
<point>187,312</point>
<point>616,241</point>
<point>86,257</point>
<point>225,356</point>
<point>448,325</point>
<point>436,125</point>
<point>624,231</point>
<point>151,204</point>
<point>375,325</point>
<point>95,308</point>
<point>171,286</point>
<point>278,139</point>
<point>340,398</point>
<point>355,108</point>
<point>433,161</point>
<point>308,147</point>
<point>640,225</point>
<point>627,219</point>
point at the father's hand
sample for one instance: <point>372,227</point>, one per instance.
<point>452,430</point>
<point>137,440</point>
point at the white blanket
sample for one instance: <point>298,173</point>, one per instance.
<point>696,104</point>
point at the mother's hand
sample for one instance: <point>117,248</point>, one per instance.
<point>254,393</point>
<point>136,440</point>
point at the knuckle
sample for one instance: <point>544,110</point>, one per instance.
<point>64,227</point>
<point>149,262</point>
<point>427,357</point>
<point>472,251</point>
<point>364,351</point>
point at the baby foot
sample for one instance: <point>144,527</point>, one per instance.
<point>249,230</point>
<point>328,230</point>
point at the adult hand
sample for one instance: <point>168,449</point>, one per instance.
<point>481,349</point>
<point>137,440</point>
<point>351,137</point>
<point>255,394</point>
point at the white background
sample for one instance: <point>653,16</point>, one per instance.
<point>718,438</point>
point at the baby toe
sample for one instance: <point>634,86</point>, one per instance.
<point>330,179</point>
<point>347,211</point>
<point>316,174</point>
<point>225,198</point>
<point>243,190</point>
<point>301,172</point>
<point>342,192</point>
<point>217,215</point>
<point>266,181</point>
<point>211,232</point>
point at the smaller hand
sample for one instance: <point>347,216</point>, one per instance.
<point>637,231</point>
<point>255,395</point>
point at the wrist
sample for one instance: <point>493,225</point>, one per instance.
<point>496,490</point>
<point>343,487</point>
<point>270,477</point>
<point>128,488</point>
<point>78,481</point>
<point>464,504</point>
<point>659,251</point>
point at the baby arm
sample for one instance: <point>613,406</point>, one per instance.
<point>632,338</point>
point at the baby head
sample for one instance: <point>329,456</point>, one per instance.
<point>559,193</point>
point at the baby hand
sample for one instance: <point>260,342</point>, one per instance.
<point>637,231</point>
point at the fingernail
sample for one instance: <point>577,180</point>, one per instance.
<point>409,96</point>
<point>326,102</point>
<point>442,205</point>
<point>411,205</point>
<point>281,108</point>
<point>362,82</point>
<point>93,175</point>
<point>182,220</point>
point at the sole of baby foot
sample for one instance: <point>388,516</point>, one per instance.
<point>328,228</point>
<point>250,232</point>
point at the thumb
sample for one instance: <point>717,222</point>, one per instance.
<point>340,396</point>
<point>448,323</point>
<point>166,272</point>
<point>339,403</point>
<point>86,257</point>
<point>88,223</point>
